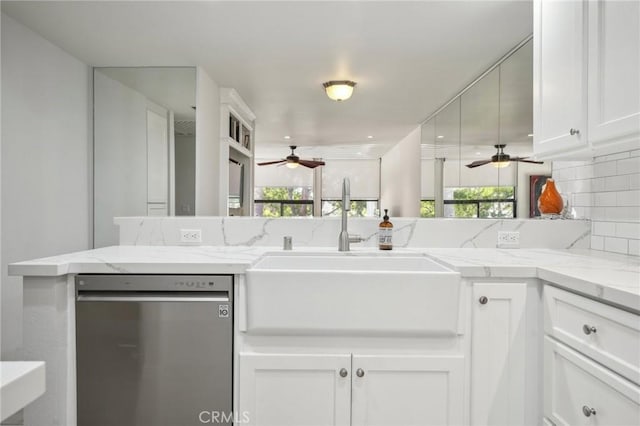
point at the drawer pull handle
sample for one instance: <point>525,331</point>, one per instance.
<point>360,372</point>
<point>588,329</point>
<point>574,132</point>
<point>588,411</point>
<point>343,372</point>
<point>483,300</point>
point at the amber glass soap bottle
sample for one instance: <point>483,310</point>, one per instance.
<point>385,233</point>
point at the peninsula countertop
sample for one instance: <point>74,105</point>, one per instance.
<point>612,278</point>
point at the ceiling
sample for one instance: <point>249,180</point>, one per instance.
<point>408,58</point>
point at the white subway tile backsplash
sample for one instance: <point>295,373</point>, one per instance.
<point>616,245</point>
<point>584,172</point>
<point>616,183</point>
<point>604,228</point>
<point>607,168</point>
<point>582,200</point>
<point>628,166</point>
<point>602,199</point>
<point>605,190</point>
<point>597,242</point>
<point>627,230</point>
<point>621,214</point>
<point>628,198</point>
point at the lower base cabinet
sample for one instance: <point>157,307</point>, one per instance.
<point>579,391</point>
<point>372,390</point>
<point>498,356</point>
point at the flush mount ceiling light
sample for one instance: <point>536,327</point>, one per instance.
<point>339,90</point>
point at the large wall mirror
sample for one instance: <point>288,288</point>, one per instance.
<point>144,145</point>
<point>496,110</point>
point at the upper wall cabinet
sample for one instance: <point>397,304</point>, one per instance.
<point>586,78</point>
<point>614,74</point>
<point>559,78</point>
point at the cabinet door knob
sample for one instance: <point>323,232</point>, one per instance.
<point>588,411</point>
<point>574,132</point>
<point>359,372</point>
<point>483,300</point>
<point>588,329</point>
<point>343,372</point>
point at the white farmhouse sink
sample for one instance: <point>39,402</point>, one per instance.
<point>351,294</point>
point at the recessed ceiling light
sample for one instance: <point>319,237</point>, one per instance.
<point>440,137</point>
<point>477,153</point>
<point>369,137</point>
<point>530,135</point>
<point>287,137</point>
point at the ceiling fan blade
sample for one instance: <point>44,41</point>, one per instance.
<point>312,164</point>
<point>524,160</point>
<point>266,163</point>
<point>478,163</point>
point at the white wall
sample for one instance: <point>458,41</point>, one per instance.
<point>121,156</point>
<point>185,154</point>
<point>607,191</point>
<point>46,160</point>
<point>400,177</point>
<point>208,178</point>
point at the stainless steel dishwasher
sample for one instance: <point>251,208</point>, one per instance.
<point>153,349</point>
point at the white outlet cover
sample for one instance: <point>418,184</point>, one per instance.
<point>191,235</point>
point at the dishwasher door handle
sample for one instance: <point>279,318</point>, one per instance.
<point>149,298</point>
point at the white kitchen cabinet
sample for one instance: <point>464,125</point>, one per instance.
<point>586,77</point>
<point>579,391</point>
<point>295,389</point>
<point>614,74</point>
<point>559,78</point>
<point>407,390</point>
<point>319,389</point>
<point>498,354</point>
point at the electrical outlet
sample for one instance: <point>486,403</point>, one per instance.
<point>191,235</point>
<point>508,239</point>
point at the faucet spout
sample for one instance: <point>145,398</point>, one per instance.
<point>344,239</point>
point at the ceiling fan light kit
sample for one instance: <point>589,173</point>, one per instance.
<point>339,90</point>
<point>292,161</point>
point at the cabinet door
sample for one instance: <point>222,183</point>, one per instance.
<point>407,390</point>
<point>579,391</point>
<point>614,73</point>
<point>559,78</point>
<point>294,390</point>
<point>498,354</point>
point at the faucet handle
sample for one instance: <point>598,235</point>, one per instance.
<point>355,238</point>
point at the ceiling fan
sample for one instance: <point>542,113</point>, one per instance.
<point>292,161</point>
<point>500,159</point>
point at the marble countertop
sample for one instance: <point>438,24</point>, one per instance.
<point>21,382</point>
<point>610,277</point>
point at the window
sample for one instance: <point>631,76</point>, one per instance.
<point>483,202</point>
<point>427,208</point>
<point>359,208</point>
<point>480,202</point>
<point>283,201</point>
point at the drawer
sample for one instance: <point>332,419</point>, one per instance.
<point>574,385</point>
<point>609,335</point>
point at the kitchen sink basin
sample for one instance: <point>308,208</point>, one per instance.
<point>351,294</point>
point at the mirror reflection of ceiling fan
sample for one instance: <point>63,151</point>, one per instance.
<point>500,159</point>
<point>292,161</point>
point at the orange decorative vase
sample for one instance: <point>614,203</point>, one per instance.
<point>550,201</point>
